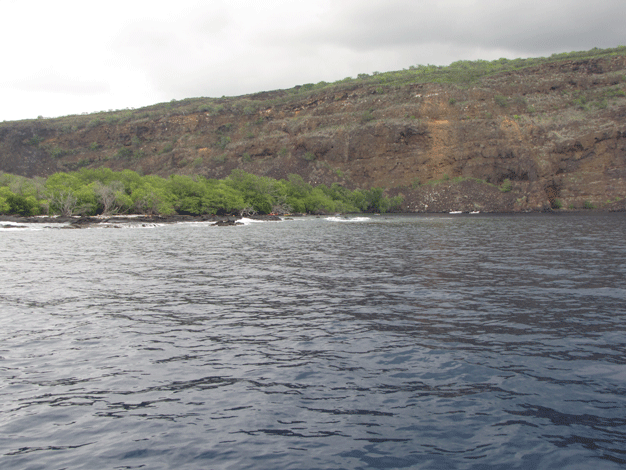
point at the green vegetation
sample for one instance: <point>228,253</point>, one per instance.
<point>104,191</point>
<point>124,153</point>
<point>57,152</point>
<point>167,148</point>
<point>223,141</point>
<point>501,101</point>
<point>220,158</point>
<point>367,116</point>
<point>35,140</point>
<point>580,102</point>
<point>506,186</point>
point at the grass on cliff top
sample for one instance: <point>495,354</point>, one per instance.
<point>462,72</point>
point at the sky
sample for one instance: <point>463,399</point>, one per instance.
<point>71,57</point>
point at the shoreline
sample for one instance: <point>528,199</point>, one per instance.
<point>75,222</point>
<point>86,221</point>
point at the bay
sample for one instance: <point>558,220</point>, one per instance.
<point>471,341</point>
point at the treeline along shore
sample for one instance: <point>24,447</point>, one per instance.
<point>102,191</point>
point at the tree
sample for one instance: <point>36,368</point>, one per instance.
<point>107,195</point>
<point>64,202</point>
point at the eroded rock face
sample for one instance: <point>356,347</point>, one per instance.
<point>557,132</point>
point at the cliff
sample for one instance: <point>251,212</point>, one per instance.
<point>528,135</point>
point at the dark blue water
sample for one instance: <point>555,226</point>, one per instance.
<point>446,342</point>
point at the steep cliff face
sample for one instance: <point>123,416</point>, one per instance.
<point>556,131</point>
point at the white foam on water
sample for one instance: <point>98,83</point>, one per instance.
<point>348,219</point>
<point>15,226</point>
<point>197,223</point>
<point>127,225</point>
<point>247,221</point>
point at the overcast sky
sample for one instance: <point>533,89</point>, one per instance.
<point>68,57</point>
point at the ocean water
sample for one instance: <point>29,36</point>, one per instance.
<point>431,342</point>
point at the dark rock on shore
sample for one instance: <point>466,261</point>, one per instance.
<point>119,221</point>
<point>227,222</point>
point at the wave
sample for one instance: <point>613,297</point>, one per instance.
<point>16,226</point>
<point>347,219</point>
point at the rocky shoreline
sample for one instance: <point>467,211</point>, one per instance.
<point>119,221</point>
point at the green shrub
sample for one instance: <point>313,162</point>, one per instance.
<point>367,116</point>
<point>57,152</point>
<point>506,186</point>
<point>557,204</point>
<point>167,148</point>
<point>309,156</point>
<point>124,153</point>
<point>580,103</point>
<point>588,205</point>
<point>35,140</point>
<point>501,101</point>
<point>261,203</point>
<point>223,141</point>
<point>18,204</point>
<point>246,157</point>
<point>4,205</point>
<point>614,92</point>
<point>206,108</point>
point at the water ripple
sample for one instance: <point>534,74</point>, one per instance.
<point>389,342</point>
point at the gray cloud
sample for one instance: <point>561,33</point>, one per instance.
<point>139,53</point>
<point>523,27</point>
